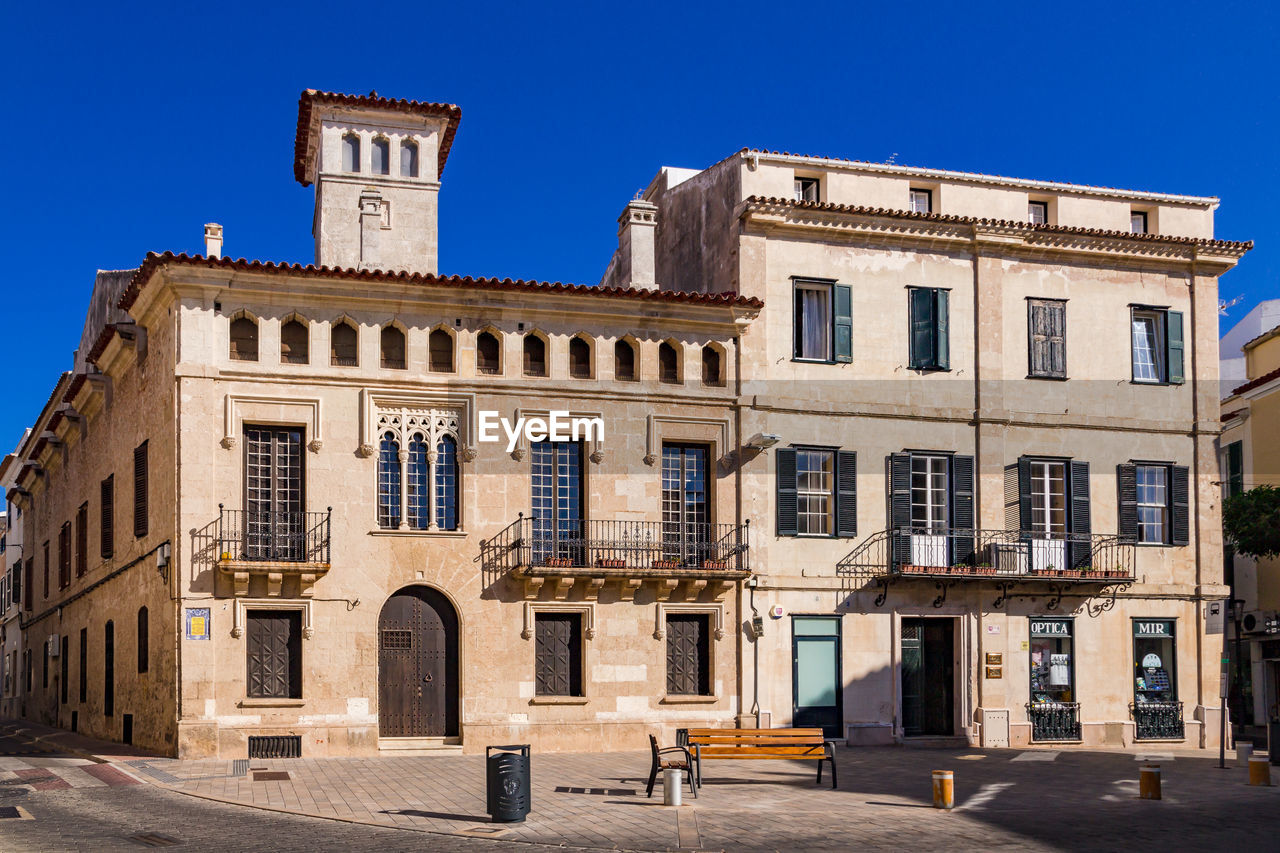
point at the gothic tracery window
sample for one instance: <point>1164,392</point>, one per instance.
<point>418,469</point>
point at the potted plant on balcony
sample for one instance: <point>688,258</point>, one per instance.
<point>984,569</point>
<point>559,562</point>
<point>664,563</point>
<point>610,563</point>
<point>715,564</point>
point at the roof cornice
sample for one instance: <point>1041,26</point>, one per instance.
<point>974,178</point>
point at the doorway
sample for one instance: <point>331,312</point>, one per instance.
<point>816,689</point>
<point>418,665</point>
<point>928,677</point>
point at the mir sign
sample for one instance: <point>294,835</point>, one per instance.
<point>1151,629</point>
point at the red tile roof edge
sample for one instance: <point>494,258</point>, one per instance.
<point>1260,338</point>
<point>1001,223</point>
<point>310,98</point>
<point>1255,383</point>
<point>1231,415</point>
<point>74,388</point>
<point>154,261</point>
<point>100,345</point>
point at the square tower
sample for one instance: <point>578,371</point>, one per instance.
<point>376,165</point>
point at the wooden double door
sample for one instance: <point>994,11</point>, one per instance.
<point>418,665</point>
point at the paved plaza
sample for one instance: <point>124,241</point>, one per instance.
<point>1005,799</point>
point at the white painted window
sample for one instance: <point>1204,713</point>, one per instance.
<point>1049,498</point>
<point>929,493</point>
<point>813,321</point>
<point>1138,222</point>
<point>1148,347</point>
<point>1153,503</point>
<point>815,480</point>
<point>921,201</point>
<point>1038,212</point>
<point>807,189</point>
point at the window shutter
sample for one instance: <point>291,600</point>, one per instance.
<point>962,518</point>
<point>1081,521</point>
<point>1036,338</point>
<point>1024,493</point>
<point>140,490</point>
<point>1235,468</point>
<point>843,323</point>
<point>900,506</point>
<point>788,523</point>
<point>847,497</point>
<point>1173,340</point>
<point>106,529</point>
<point>942,331</point>
<point>921,327</point>
<point>1127,486</point>
<point>1058,339</point>
<point>1180,504</point>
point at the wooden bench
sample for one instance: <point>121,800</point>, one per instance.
<point>784,744</point>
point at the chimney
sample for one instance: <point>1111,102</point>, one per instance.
<point>637,227</point>
<point>212,240</point>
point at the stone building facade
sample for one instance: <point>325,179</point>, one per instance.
<point>282,514</point>
<point>1250,457</point>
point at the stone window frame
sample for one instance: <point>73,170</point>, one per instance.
<point>586,611</point>
<point>715,622</point>
<point>433,423</point>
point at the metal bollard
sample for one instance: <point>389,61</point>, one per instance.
<point>1260,770</point>
<point>1244,751</point>
<point>671,786</point>
<point>944,789</point>
<point>1149,782</point>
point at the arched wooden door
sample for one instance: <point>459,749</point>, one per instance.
<point>418,665</point>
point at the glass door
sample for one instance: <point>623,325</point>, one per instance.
<point>816,691</point>
<point>1048,516</point>
<point>686,531</point>
<point>557,502</point>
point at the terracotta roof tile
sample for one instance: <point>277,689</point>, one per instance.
<point>1232,415</point>
<point>859,210</point>
<point>104,338</point>
<point>154,261</point>
<point>311,98</point>
<point>1255,383</point>
<point>74,388</point>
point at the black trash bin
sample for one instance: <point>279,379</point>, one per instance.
<point>507,778</point>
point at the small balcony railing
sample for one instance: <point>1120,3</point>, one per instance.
<point>1157,720</point>
<point>245,536</point>
<point>1052,721</point>
<point>1003,554</point>
<point>619,545</point>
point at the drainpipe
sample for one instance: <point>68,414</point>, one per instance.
<point>1195,491</point>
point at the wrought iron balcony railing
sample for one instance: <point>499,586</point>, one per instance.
<point>1054,720</point>
<point>245,536</point>
<point>542,543</point>
<point>1004,554</point>
<point>1157,720</point>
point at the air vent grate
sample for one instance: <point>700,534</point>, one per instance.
<point>275,746</point>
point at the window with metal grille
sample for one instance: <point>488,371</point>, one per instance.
<point>343,345</point>
<point>275,526</point>
<point>688,654</point>
<point>668,364</point>
<point>274,650</point>
<point>579,358</point>
<point>244,339</point>
<point>440,351</point>
<point>144,640</point>
<point>82,539</point>
<point>295,343</point>
<point>107,519</point>
<point>64,555</point>
<point>395,639</point>
<point>446,484</point>
<point>535,356</point>
<point>686,534</point>
<point>389,482</point>
<point>558,654</point>
<point>624,361</point>
<point>140,490</point>
<point>418,475</point>
<point>393,348</point>
<point>1047,338</point>
<point>488,354</point>
<point>557,499</point>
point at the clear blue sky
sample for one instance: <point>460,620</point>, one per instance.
<point>129,125</point>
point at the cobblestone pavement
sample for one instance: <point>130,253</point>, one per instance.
<point>1006,799</point>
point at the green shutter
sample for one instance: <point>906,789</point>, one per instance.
<point>922,354</point>
<point>846,493</point>
<point>942,334</point>
<point>843,332</point>
<point>1173,338</point>
<point>1235,468</point>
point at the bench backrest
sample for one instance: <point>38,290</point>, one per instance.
<point>755,737</point>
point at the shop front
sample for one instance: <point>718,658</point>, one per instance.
<point>1053,709</point>
<point>1157,713</point>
